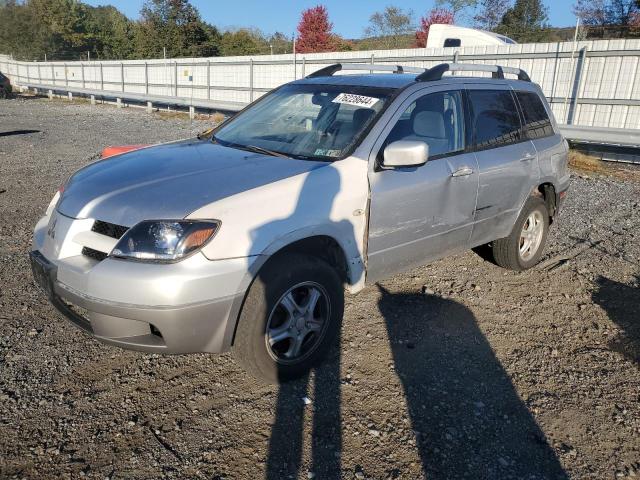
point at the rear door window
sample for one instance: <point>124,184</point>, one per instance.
<point>495,118</point>
<point>536,118</point>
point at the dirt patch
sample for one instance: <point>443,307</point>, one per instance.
<point>487,374</point>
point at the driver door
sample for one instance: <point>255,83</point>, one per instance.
<point>420,214</point>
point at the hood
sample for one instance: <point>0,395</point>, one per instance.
<point>170,181</point>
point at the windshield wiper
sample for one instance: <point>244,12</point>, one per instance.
<point>251,148</point>
<point>266,151</point>
<point>208,133</point>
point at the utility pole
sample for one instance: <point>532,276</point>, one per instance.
<point>88,56</point>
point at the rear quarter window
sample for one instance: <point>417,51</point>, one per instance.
<point>536,118</point>
<point>495,118</point>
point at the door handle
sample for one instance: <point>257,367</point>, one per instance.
<point>527,157</point>
<point>462,172</point>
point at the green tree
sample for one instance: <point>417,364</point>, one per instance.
<point>113,33</point>
<point>458,7</point>
<point>57,28</point>
<point>490,13</point>
<point>175,25</point>
<point>280,43</point>
<point>240,42</point>
<point>526,21</point>
<point>392,25</point>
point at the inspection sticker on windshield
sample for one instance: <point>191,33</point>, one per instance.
<point>357,100</point>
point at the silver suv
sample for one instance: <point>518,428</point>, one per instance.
<point>245,237</point>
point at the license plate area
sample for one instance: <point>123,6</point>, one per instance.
<point>44,272</point>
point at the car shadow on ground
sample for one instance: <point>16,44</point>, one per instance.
<point>287,435</point>
<point>466,414</point>
<point>622,304</point>
<point>468,419</point>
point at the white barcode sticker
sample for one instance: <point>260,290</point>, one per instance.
<point>357,100</point>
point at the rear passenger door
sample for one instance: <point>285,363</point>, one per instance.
<point>506,160</point>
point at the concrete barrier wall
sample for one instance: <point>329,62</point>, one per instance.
<point>594,83</point>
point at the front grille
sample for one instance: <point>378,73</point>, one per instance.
<point>109,229</point>
<point>95,254</point>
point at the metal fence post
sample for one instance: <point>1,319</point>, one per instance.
<point>101,78</point>
<point>455,60</point>
<point>175,90</point>
<point>82,72</point>
<point>576,85</point>
<point>251,80</point>
<point>39,75</point>
<point>53,75</point>
<point>371,71</point>
<point>146,78</point>
<point>66,76</point>
<point>304,63</point>
<point>122,75</point>
<point>208,79</point>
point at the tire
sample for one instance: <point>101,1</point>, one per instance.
<point>268,315</point>
<point>507,251</point>
<point>3,93</point>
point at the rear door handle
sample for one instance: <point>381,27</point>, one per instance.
<point>462,172</point>
<point>527,157</point>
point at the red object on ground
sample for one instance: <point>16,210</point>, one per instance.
<point>111,151</point>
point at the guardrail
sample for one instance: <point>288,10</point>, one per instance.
<point>610,137</point>
<point>119,97</point>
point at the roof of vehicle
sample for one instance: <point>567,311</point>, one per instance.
<point>385,80</point>
<point>388,80</point>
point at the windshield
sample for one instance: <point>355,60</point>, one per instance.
<point>319,122</point>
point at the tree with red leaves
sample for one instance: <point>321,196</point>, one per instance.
<point>314,31</point>
<point>435,16</point>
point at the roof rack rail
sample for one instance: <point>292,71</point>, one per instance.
<point>331,69</point>
<point>497,71</point>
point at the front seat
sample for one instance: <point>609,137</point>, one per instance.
<point>429,127</point>
<point>347,131</point>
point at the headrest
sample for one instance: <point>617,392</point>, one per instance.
<point>429,124</point>
<point>360,117</point>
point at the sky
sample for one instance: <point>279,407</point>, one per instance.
<point>349,17</point>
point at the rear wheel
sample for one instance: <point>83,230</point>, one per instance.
<point>523,248</point>
<point>292,312</point>
<point>3,93</point>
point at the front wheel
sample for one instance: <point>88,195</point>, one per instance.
<point>290,317</point>
<point>523,248</point>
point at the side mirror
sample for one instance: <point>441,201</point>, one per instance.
<point>405,153</point>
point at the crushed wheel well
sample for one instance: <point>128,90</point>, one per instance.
<point>323,247</point>
<point>548,193</point>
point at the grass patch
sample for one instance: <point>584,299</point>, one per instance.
<point>586,163</point>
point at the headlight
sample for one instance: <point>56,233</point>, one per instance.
<point>54,201</point>
<point>165,240</point>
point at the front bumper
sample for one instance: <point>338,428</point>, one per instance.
<point>202,326</point>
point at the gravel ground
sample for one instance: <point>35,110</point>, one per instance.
<point>455,370</point>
